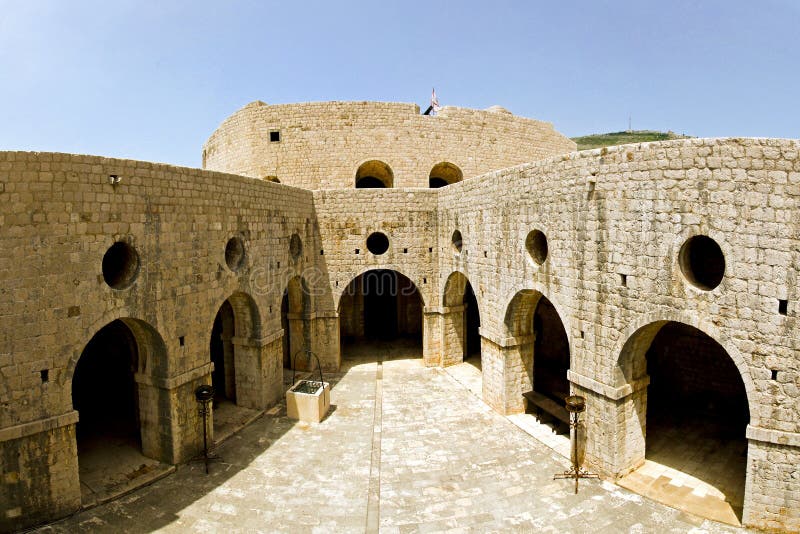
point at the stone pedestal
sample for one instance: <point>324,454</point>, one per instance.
<point>507,371</point>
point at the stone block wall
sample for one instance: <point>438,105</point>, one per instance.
<point>322,144</point>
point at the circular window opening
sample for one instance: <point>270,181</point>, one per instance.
<point>120,265</point>
<point>536,243</point>
<point>234,253</point>
<point>702,262</point>
<point>377,243</point>
<point>458,242</point>
<point>295,246</point>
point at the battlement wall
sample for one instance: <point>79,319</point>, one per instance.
<point>322,144</point>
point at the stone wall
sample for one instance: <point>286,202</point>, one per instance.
<point>605,213</point>
<point>322,144</point>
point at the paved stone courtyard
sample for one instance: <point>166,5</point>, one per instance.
<point>405,449</point>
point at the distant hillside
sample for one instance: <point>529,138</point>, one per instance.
<point>621,138</point>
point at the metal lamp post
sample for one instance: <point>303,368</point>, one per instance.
<point>204,395</point>
<point>575,404</point>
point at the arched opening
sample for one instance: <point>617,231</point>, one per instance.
<point>294,320</point>
<point>232,353</point>
<point>374,174</point>
<point>695,416</point>
<point>380,315</point>
<point>550,353</point>
<point>109,432</point>
<point>443,174</point>
<point>461,339</point>
<point>543,346</point>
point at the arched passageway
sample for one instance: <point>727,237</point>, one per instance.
<point>374,174</point>
<point>461,339</point>
<point>542,344</point>
<point>110,430</point>
<point>443,174</point>
<point>381,310</point>
<point>235,355</point>
<point>695,416</point>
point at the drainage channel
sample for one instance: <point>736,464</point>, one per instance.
<point>374,498</point>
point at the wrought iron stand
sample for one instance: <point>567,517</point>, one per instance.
<point>205,395</point>
<point>575,404</point>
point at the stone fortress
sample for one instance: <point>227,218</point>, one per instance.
<point>658,280</point>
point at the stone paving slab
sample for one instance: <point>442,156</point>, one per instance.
<point>446,463</point>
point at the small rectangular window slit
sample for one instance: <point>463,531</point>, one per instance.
<point>623,280</point>
<point>274,136</point>
<point>321,252</point>
<point>590,192</point>
<point>358,251</point>
<point>583,335</point>
<point>44,374</point>
<point>485,254</point>
<point>405,251</point>
<point>774,374</point>
<point>783,306</point>
<point>430,249</point>
<point>182,340</point>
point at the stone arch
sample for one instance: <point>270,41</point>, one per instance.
<point>629,344</point>
<point>686,389</point>
<point>374,174</point>
<point>381,267</point>
<point>237,350</point>
<point>381,304</point>
<point>444,173</point>
<point>113,392</point>
<point>152,351</point>
<point>460,323</point>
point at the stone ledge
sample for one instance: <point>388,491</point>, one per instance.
<point>769,435</point>
<point>35,427</point>
<point>611,392</point>
<point>506,342</point>
<point>174,381</point>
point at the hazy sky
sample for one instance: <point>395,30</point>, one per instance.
<point>151,80</point>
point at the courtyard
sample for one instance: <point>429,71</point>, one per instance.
<point>405,448</point>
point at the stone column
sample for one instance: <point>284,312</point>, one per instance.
<point>507,365</point>
<point>39,467</point>
<point>259,375</point>
<point>615,421</point>
<point>432,336</point>
<point>454,334</point>
<point>325,340</point>
<point>772,490</point>
<point>297,334</point>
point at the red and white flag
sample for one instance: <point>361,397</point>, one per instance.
<point>435,101</point>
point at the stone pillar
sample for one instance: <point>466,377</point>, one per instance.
<point>454,334</point>
<point>259,375</point>
<point>772,490</point>
<point>507,365</point>
<point>325,340</point>
<point>297,334</point>
<point>432,336</point>
<point>39,472</point>
<point>615,421</point>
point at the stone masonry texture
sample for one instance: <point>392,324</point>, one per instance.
<point>605,213</point>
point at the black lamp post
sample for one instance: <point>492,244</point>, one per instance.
<point>575,404</point>
<point>204,395</point>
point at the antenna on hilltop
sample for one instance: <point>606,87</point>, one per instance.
<point>629,124</point>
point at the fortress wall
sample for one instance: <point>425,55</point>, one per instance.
<point>628,210</point>
<point>59,215</point>
<point>322,144</point>
<point>648,199</point>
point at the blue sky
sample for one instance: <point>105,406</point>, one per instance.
<point>151,79</point>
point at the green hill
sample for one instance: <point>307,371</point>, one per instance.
<point>621,138</point>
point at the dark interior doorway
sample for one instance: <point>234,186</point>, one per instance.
<point>473,320</point>
<point>697,410</point>
<point>104,391</point>
<point>223,378</point>
<point>550,353</point>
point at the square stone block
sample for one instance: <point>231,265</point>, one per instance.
<point>308,400</point>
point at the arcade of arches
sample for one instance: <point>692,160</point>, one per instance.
<point>691,417</point>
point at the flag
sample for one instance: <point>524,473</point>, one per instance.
<point>434,101</point>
